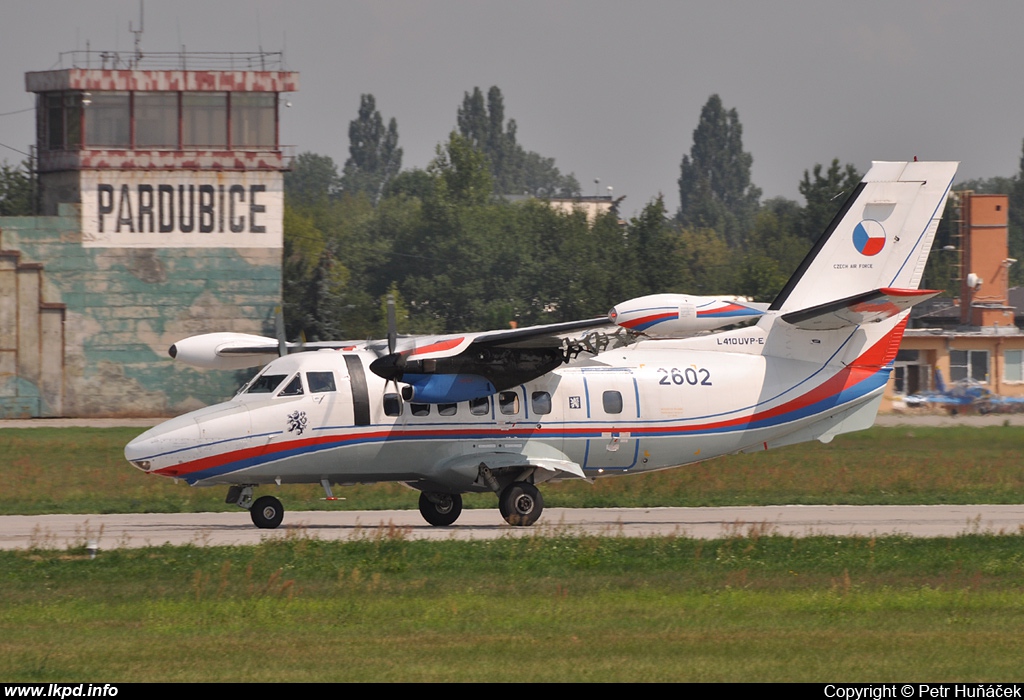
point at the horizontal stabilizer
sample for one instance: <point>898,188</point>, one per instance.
<point>869,307</point>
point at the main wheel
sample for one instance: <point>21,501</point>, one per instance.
<point>440,509</point>
<point>520,503</point>
<point>266,512</point>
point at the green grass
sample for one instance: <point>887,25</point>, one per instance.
<point>82,470</point>
<point>562,608</point>
<point>539,609</point>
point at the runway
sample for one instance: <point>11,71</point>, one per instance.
<point>107,532</point>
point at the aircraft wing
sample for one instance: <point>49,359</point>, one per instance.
<point>547,336</point>
<point>241,350</point>
<point>442,369</point>
<point>868,307</point>
<point>429,347</point>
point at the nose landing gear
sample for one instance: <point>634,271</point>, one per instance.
<point>266,511</point>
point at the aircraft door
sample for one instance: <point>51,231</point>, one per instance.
<point>613,408</point>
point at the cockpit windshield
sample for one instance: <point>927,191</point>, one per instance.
<point>265,383</point>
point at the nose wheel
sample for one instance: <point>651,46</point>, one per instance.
<point>520,503</point>
<point>266,512</point>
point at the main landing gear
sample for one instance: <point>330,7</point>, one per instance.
<point>440,509</point>
<point>520,503</point>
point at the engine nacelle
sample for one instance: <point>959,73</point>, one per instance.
<point>680,315</point>
<point>225,350</point>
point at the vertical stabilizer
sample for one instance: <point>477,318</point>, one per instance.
<point>879,239</point>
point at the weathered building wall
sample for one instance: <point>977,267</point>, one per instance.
<point>122,309</point>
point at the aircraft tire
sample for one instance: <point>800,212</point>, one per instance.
<point>520,503</point>
<point>266,512</point>
<point>441,510</point>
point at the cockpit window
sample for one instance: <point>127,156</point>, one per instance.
<point>294,387</point>
<point>266,383</point>
<point>320,381</point>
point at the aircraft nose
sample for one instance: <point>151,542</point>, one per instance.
<point>160,446</point>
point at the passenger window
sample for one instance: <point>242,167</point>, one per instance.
<point>266,384</point>
<point>320,381</point>
<point>612,402</point>
<point>420,409</point>
<point>541,401</point>
<point>392,405</point>
<point>447,409</point>
<point>294,387</point>
<point>480,407</point>
<point>508,402</point>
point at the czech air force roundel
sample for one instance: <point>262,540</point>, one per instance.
<point>869,237</point>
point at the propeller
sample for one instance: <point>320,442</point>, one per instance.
<point>391,366</point>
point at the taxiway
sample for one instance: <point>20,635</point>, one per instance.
<point>106,532</point>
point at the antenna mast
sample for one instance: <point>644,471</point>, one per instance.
<point>138,34</point>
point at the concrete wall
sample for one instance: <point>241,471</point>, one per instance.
<point>121,309</point>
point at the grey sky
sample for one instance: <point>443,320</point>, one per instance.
<point>611,90</point>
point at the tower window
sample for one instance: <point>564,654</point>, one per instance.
<point>108,120</point>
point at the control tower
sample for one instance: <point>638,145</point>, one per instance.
<point>161,209</point>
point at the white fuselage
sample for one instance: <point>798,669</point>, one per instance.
<point>652,405</point>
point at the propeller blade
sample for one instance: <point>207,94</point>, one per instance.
<point>392,325</point>
<point>282,341</point>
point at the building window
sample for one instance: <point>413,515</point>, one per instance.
<point>204,117</point>
<point>968,364</point>
<point>1013,365</point>
<point>73,119</point>
<point>156,120</point>
<point>911,374</point>
<point>253,119</point>
<point>108,120</point>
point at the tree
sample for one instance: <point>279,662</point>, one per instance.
<point>461,173</point>
<point>313,180</point>
<point>514,169</point>
<point>654,250</point>
<point>714,180</point>
<point>825,196</point>
<point>1016,232</point>
<point>374,156</point>
<point>17,190</point>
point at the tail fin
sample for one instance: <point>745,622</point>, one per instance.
<point>880,238</point>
